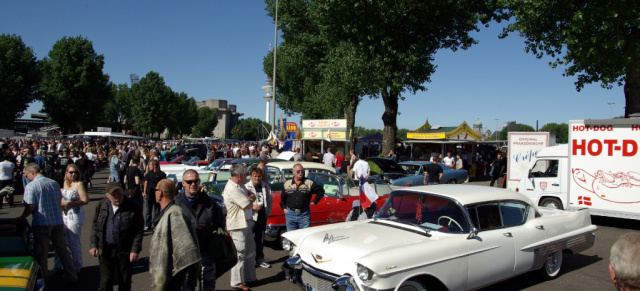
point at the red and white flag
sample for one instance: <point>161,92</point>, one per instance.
<point>367,194</point>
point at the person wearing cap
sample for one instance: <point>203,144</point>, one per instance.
<point>174,258</point>
<point>116,237</point>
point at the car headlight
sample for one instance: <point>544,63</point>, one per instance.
<point>364,273</point>
<point>287,245</point>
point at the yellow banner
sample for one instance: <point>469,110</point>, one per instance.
<point>420,135</point>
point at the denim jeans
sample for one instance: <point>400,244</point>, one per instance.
<point>298,220</point>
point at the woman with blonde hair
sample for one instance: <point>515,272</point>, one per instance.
<point>74,196</point>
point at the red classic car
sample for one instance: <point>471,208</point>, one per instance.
<point>334,207</point>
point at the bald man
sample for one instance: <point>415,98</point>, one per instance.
<point>172,235</point>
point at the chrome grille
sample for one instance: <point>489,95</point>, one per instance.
<point>317,283</point>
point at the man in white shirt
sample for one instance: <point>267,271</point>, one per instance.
<point>361,168</point>
<point>328,158</point>
<point>449,161</point>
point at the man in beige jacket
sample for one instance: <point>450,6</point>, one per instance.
<point>239,204</point>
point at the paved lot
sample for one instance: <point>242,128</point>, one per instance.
<point>586,271</point>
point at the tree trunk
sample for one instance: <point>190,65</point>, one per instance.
<point>632,93</point>
<point>389,118</point>
<point>351,119</point>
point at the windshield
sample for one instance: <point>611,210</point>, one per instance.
<point>424,209</point>
<point>411,169</point>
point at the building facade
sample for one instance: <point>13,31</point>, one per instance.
<point>227,116</point>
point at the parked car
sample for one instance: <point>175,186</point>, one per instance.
<point>334,207</point>
<point>440,237</point>
<point>193,149</point>
<point>18,270</point>
<point>385,169</point>
<point>416,169</point>
<point>208,173</point>
<point>182,159</point>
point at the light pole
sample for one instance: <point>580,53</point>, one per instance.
<point>497,119</point>
<point>268,97</point>
<point>611,109</point>
<point>275,50</point>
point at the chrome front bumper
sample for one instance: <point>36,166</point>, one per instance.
<point>307,277</point>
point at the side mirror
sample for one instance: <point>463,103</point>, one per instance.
<point>473,233</point>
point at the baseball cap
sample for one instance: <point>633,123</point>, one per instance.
<point>112,187</point>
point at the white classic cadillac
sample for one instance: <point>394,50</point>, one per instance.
<point>444,237</point>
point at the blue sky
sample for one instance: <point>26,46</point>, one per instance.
<point>214,50</point>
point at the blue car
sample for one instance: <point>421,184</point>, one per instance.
<point>416,169</point>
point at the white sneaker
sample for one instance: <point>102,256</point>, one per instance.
<point>265,265</point>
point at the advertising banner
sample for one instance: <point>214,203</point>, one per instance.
<point>324,123</point>
<point>523,147</point>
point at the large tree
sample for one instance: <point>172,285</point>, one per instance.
<point>519,127</point>
<point>248,129</point>
<point>118,109</point>
<point>19,78</point>
<point>151,111</point>
<point>560,130</point>
<point>206,123</point>
<point>395,41</point>
<point>597,41</point>
<point>74,86</point>
<point>185,115</point>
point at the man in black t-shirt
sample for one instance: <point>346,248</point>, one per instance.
<point>154,175</point>
<point>433,173</point>
<point>133,178</point>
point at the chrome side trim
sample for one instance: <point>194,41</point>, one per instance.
<point>575,244</point>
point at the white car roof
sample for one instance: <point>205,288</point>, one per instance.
<point>471,194</point>
<point>306,165</point>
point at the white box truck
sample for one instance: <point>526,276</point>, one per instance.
<point>599,169</point>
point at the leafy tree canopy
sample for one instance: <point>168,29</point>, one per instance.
<point>597,41</point>
<point>560,130</point>
<point>74,86</point>
<point>504,133</point>
<point>248,129</point>
<point>19,78</point>
<point>151,111</point>
<point>207,120</point>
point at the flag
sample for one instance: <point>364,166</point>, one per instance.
<point>367,194</point>
<point>328,136</point>
<point>272,138</point>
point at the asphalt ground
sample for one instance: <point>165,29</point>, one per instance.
<point>585,271</point>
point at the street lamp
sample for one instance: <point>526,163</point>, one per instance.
<point>268,97</point>
<point>611,109</point>
<point>497,119</point>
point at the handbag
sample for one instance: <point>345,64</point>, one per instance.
<point>222,250</point>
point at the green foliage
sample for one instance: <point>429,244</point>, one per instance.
<point>152,108</point>
<point>248,129</point>
<point>560,130</point>
<point>360,131</point>
<point>338,51</point>
<point>118,109</point>
<point>74,86</point>
<point>207,120</point>
<point>402,134</point>
<point>597,41</point>
<point>185,114</point>
<point>504,133</point>
<point>19,78</point>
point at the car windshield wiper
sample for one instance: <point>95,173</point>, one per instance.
<point>414,226</point>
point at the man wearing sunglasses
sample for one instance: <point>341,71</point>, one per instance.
<point>296,199</point>
<point>205,215</point>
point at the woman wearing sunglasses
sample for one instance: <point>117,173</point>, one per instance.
<point>74,196</point>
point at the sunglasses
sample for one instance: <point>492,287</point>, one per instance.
<point>192,181</point>
<point>298,171</point>
<point>72,172</point>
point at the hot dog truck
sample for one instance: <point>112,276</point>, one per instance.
<point>598,169</point>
